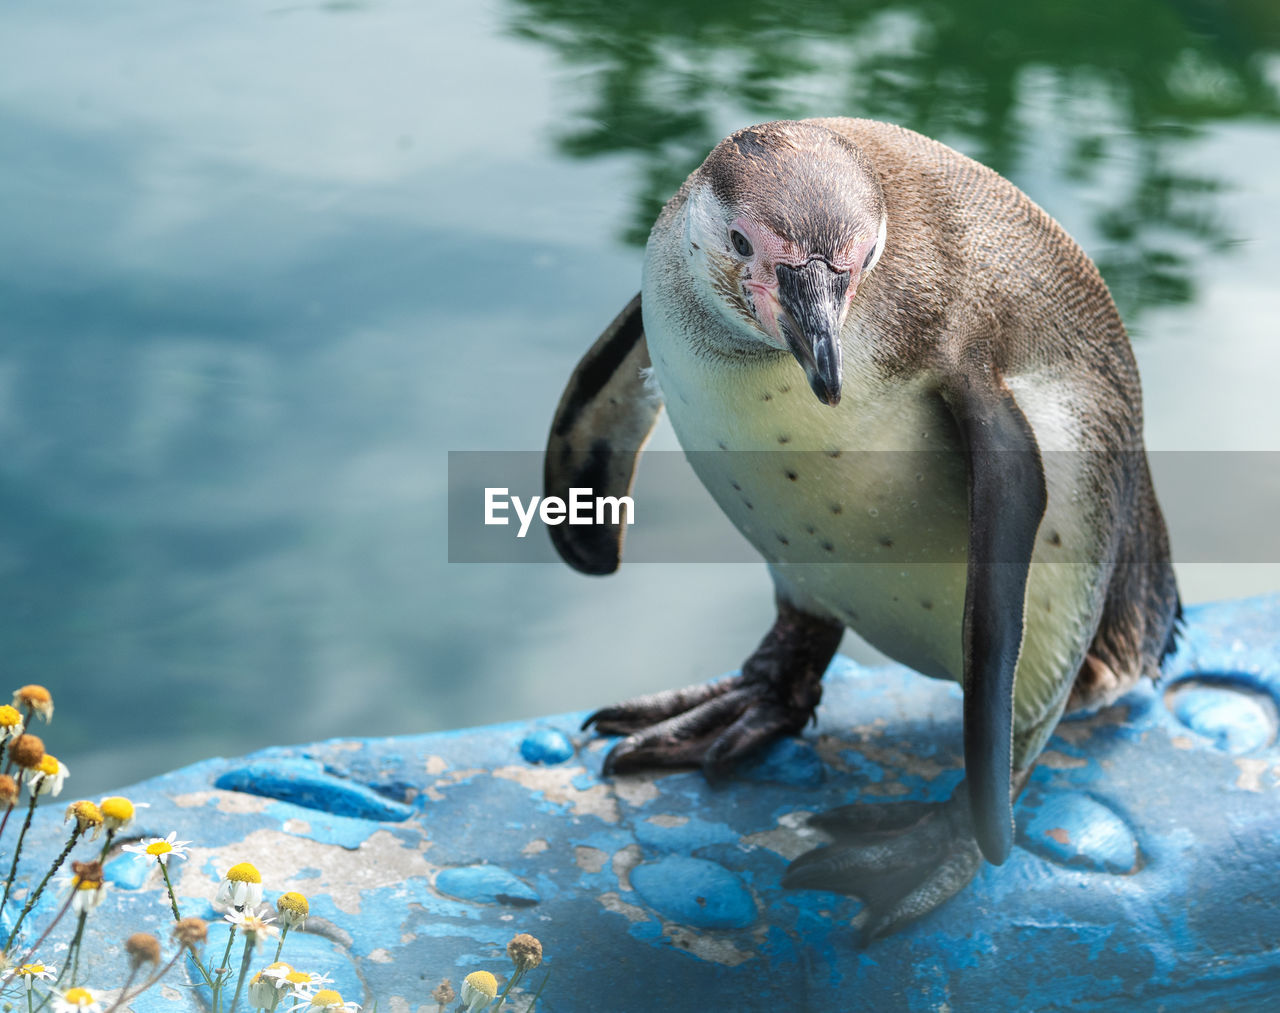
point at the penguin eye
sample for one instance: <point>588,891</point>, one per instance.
<point>740,242</point>
<point>870,257</point>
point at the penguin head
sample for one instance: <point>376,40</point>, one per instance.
<point>784,221</point>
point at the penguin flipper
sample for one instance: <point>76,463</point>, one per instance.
<point>1007,500</point>
<point>602,423</point>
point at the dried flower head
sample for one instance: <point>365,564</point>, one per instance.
<point>10,722</point>
<point>293,909</point>
<point>8,791</point>
<point>88,817</point>
<point>444,993</point>
<point>88,886</point>
<point>190,932</point>
<point>35,698</point>
<point>479,988</point>
<point>525,952</point>
<point>27,751</point>
<point>143,948</point>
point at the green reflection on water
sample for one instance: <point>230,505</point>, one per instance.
<point>1125,82</point>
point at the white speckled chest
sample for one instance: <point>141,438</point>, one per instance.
<point>861,509</point>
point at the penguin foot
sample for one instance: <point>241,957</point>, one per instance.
<point>712,725</point>
<point>902,860</point>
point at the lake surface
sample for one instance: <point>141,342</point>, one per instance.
<point>261,269</point>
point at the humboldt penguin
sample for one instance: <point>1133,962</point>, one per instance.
<point>911,391</point>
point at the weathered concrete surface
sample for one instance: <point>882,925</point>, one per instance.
<point>1147,873</point>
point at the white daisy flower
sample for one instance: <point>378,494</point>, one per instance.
<point>10,723</point>
<point>241,887</point>
<point>479,988</point>
<point>324,1001</point>
<point>118,812</point>
<point>160,848</point>
<point>256,927</point>
<point>47,778</point>
<point>31,973</point>
<point>303,982</point>
<point>76,1000</point>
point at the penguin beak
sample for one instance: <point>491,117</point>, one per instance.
<point>812,299</point>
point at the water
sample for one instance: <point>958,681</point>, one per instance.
<point>260,269</point>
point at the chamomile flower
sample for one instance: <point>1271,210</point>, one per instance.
<point>47,777</point>
<point>265,990</point>
<point>160,848</point>
<point>324,1001</point>
<point>10,723</point>
<point>31,973</point>
<point>118,812</point>
<point>241,887</point>
<point>37,699</point>
<point>76,1000</point>
<point>256,927</point>
<point>293,909</point>
<point>300,982</point>
<point>479,988</point>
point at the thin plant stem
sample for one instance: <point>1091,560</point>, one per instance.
<point>218,979</point>
<point>17,848</point>
<point>244,970</point>
<point>43,936</point>
<point>122,998</point>
<point>5,820</point>
<point>533,1002</point>
<point>173,898</point>
<point>35,896</point>
<point>284,931</point>
<point>73,951</point>
<point>106,845</point>
<point>511,983</point>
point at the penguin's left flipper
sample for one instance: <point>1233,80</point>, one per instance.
<point>905,860</point>
<point>713,725</point>
<point>603,420</point>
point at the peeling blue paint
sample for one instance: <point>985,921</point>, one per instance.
<point>1146,873</point>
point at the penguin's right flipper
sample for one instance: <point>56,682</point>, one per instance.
<point>715,724</point>
<point>602,423</point>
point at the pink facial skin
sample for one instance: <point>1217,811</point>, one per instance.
<point>760,280</point>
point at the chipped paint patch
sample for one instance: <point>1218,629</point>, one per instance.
<point>296,826</point>
<point>227,801</point>
<point>1182,742</point>
<point>668,820</point>
<point>791,838</point>
<point>637,789</point>
<point>436,765</point>
<point>612,902</point>
<point>1251,772</point>
<point>381,861</point>
<point>380,956</point>
<point>536,847</point>
<point>1055,760</point>
<point>710,948</point>
<point>589,859</point>
<point>624,860</point>
<point>556,786</point>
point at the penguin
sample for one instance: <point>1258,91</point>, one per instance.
<point>912,393</point>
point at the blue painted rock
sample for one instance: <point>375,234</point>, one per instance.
<point>1147,872</point>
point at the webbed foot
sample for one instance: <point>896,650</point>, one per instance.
<point>902,859</point>
<point>712,725</point>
